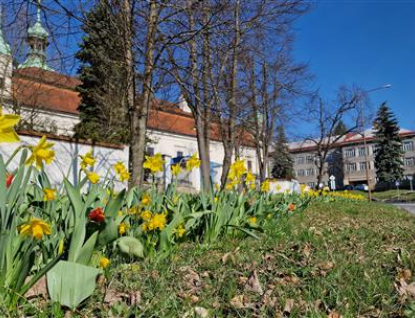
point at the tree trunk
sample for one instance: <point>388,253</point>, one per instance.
<point>229,145</point>
<point>140,114</point>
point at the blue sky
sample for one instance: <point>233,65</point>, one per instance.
<point>362,42</point>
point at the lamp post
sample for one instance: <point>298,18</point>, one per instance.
<point>367,163</point>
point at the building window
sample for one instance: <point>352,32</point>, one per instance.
<point>375,148</point>
<point>309,159</point>
<point>362,151</point>
<point>351,166</point>
<point>350,152</point>
<point>150,151</point>
<point>301,173</point>
<point>309,172</point>
<point>249,165</point>
<point>408,145</point>
<point>363,166</point>
<point>409,162</point>
<point>299,160</point>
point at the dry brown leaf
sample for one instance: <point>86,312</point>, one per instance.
<point>307,251</point>
<point>230,256</point>
<point>194,298</point>
<point>289,304</point>
<point>334,314</point>
<point>237,302</point>
<point>201,312</point>
<point>405,274</point>
<point>38,289</point>
<point>326,266</point>
<point>113,296</point>
<point>253,284</point>
<point>242,280</point>
<point>410,289</point>
<point>135,297</point>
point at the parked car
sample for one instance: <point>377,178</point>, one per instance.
<point>362,187</point>
<point>348,187</point>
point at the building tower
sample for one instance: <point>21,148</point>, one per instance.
<point>37,38</point>
<point>6,64</point>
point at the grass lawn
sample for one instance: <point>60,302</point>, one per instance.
<point>335,260</point>
<point>404,195</point>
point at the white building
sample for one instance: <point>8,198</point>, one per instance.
<point>48,103</point>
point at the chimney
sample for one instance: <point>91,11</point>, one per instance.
<point>183,105</point>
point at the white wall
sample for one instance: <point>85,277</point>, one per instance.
<point>169,144</point>
<point>67,153</point>
<point>67,159</point>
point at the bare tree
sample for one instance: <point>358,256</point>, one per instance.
<point>326,117</point>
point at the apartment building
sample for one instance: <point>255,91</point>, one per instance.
<point>348,159</point>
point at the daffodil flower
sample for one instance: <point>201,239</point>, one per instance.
<point>35,228</point>
<point>192,163</point>
<point>154,163</point>
<point>42,152</point>
<point>49,194</point>
<point>88,160</point>
<point>93,177</point>
<point>7,132</point>
<point>176,169</point>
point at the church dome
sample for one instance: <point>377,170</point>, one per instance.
<point>37,30</point>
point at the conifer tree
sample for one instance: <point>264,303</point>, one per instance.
<point>340,129</point>
<point>389,154</point>
<point>102,72</point>
<point>282,161</point>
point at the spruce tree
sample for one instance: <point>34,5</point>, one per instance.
<point>340,129</point>
<point>102,72</point>
<point>282,160</point>
<point>389,154</point>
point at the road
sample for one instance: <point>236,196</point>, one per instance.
<point>410,207</point>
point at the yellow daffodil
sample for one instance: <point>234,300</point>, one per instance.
<point>237,169</point>
<point>252,186</point>
<point>121,171</point>
<point>154,163</point>
<point>179,231</point>
<point>249,177</point>
<point>216,199</point>
<point>253,220</point>
<point>42,152</point>
<point>265,186</point>
<point>123,227</point>
<point>7,132</point>
<point>134,210</point>
<point>124,176</point>
<point>93,177</point>
<point>119,167</point>
<point>49,194</point>
<point>192,163</point>
<point>88,160</point>
<point>35,228</point>
<point>176,169</point>
<point>146,199</point>
<point>104,262</point>
<point>146,215</point>
<point>158,221</point>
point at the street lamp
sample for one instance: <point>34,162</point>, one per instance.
<point>367,163</point>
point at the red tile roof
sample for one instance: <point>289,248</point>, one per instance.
<point>52,91</point>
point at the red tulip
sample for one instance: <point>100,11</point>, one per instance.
<point>97,215</point>
<point>9,180</point>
